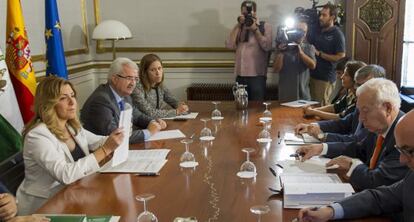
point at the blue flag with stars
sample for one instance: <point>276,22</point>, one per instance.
<point>55,54</point>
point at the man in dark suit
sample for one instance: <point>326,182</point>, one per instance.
<point>395,200</point>
<point>373,161</point>
<point>8,208</point>
<point>101,111</point>
<point>338,134</point>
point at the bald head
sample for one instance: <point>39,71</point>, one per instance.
<point>404,138</point>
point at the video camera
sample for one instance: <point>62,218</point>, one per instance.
<point>248,17</point>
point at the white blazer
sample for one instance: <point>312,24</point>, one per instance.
<point>49,165</point>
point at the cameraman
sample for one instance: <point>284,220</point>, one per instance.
<point>293,64</point>
<point>330,48</point>
<point>252,42</point>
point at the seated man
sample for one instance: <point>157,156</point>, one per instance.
<point>100,113</point>
<point>340,133</point>
<point>374,160</point>
<point>8,209</point>
<point>385,200</point>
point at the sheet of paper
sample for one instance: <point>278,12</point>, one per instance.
<point>191,115</point>
<point>299,103</point>
<point>313,165</point>
<point>121,153</point>
<point>167,134</point>
<point>304,138</point>
<point>140,161</point>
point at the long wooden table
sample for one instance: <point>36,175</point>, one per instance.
<point>211,191</point>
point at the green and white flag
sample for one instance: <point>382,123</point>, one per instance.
<point>11,122</point>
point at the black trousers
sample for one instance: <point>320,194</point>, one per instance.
<point>256,86</point>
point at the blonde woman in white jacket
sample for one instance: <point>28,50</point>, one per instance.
<point>57,150</point>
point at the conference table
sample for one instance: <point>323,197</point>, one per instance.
<point>209,192</point>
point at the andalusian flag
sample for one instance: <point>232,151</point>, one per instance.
<point>55,54</point>
<point>11,122</point>
<point>18,59</point>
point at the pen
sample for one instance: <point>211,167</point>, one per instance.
<point>273,171</point>
<point>280,166</point>
<point>301,102</point>
<point>147,174</point>
<point>279,140</point>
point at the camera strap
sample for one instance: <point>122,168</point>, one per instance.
<point>261,27</point>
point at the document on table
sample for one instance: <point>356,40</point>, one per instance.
<point>166,134</point>
<point>313,165</point>
<point>191,115</point>
<point>121,153</point>
<point>304,138</point>
<point>79,218</point>
<point>299,195</point>
<point>140,161</point>
<point>299,103</point>
<point>286,178</point>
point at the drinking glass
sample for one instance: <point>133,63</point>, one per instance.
<point>206,133</point>
<point>216,114</point>
<point>247,169</point>
<point>264,135</point>
<point>260,210</point>
<point>187,159</point>
<point>146,216</point>
<point>267,112</point>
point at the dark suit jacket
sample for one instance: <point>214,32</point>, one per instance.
<point>341,130</point>
<point>388,169</point>
<point>3,188</point>
<point>100,114</point>
<point>385,200</point>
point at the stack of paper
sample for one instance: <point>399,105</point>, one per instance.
<point>304,138</point>
<point>140,162</point>
<point>299,195</point>
<point>299,103</point>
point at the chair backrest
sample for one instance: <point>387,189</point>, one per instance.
<point>12,172</point>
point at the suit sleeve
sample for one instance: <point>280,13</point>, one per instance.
<point>388,171</point>
<point>340,126</point>
<point>99,116</point>
<point>3,188</point>
<point>382,200</point>
<point>43,149</point>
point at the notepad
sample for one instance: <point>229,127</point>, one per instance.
<point>140,162</point>
<point>299,139</point>
<point>299,103</point>
<point>167,134</point>
<point>191,115</point>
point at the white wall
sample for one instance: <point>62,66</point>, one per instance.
<point>157,25</point>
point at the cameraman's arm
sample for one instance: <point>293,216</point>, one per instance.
<point>231,41</point>
<point>265,41</point>
<point>309,62</point>
<point>278,63</point>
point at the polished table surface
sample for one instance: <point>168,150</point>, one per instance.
<point>211,191</point>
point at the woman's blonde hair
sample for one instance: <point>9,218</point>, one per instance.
<point>47,96</point>
<point>145,63</point>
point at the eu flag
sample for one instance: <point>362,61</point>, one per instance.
<point>55,54</point>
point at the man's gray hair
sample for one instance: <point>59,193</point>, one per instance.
<point>370,71</point>
<point>118,64</point>
<point>383,90</point>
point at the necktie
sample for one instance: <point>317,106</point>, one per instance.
<point>376,153</point>
<point>121,105</point>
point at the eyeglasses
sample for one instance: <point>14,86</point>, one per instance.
<point>407,151</point>
<point>129,78</point>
